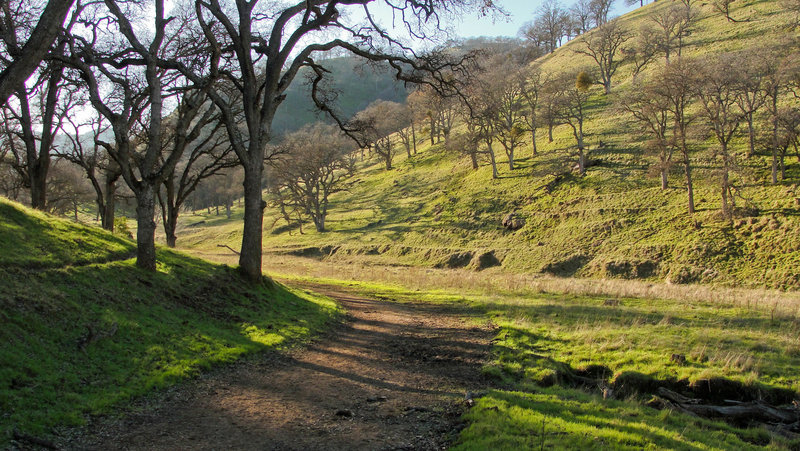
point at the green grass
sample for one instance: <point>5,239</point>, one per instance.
<point>543,340</point>
<point>151,329</point>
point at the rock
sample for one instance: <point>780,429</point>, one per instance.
<point>513,221</point>
<point>344,413</point>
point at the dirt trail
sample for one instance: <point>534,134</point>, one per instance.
<point>392,376</point>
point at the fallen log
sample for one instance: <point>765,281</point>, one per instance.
<point>758,411</point>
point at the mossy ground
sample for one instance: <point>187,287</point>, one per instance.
<point>83,331</point>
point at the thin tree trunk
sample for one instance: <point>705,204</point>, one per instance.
<point>664,185</point>
<point>752,134</point>
<point>414,137</point>
<point>493,162</point>
<point>689,187</point>
<point>474,158</point>
<point>774,98</point>
<point>533,141</point>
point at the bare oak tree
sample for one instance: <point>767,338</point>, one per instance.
<point>602,45</point>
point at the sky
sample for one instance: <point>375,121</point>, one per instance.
<point>520,11</point>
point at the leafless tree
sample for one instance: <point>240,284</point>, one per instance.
<point>24,45</point>
<point>600,10</point>
<point>195,131</point>
<point>581,13</point>
<point>643,51</point>
<point>717,93</point>
<point>677,81</point>
<point>127,85</point>
<point>570,94</point>
<point>674,22</point>
<point>724,8</point>
<point>750,93</point>
<point>780,71</point>
<point>602,45</point>
<point>34,115</point>
<point>377,123</point>
<point>531,82</point>
<point>649,104</point>
<point>316,164</point>
<point>103,173</point>
<point>503,90</point>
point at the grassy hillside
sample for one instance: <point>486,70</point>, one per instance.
<point>84,330</point>
<point>616,222</point>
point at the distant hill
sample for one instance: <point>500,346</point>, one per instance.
<point>358,85</point>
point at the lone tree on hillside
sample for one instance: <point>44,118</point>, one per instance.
<point>602,46</point>
<point>570,94</point>
<point>717,92</point>
<point>315,163</point>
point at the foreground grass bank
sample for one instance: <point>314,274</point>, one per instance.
<point>84,330</point>
<point>547,342</point>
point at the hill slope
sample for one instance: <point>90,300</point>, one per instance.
<point>83,329</point>
<point>434,210</point>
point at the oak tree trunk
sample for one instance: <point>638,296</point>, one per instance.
<point>146,226</point>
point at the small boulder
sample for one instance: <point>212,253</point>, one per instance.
<point>513,221</point>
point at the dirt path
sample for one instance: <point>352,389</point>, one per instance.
<point>393,376</point>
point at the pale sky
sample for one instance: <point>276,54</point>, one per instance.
<point>520,11</point>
